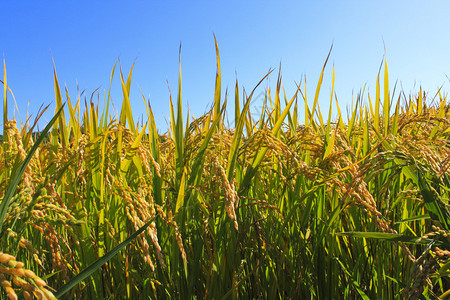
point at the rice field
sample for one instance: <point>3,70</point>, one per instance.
<point>291,205</point>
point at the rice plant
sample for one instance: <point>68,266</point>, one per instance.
<point>275,207</point>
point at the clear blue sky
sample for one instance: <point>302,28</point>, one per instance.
<point>86,38</point>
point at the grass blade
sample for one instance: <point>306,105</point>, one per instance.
<point>106,107</point>
<point>198,163</point>
<point>319,84</point>
<point>99,262</point>
<point>237,108</point>
<point>329,140</point>
<point>376,120</point>
<point>434,206</point>
<point>232,156</point>
<point>181,193</point>
<point>391,237</point>
<point>132,151</point>
<point>217,90</point>
<point>177,126</point>
<point>386,105</point>
<point>415,218</point>
<point>251,171</point>
<point>126,113</point>
<point>62,121</point>
<point>419,103</point>
<point>354,281</point>
<point>5,101</point>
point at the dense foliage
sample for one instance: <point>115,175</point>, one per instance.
<point>266,208</point>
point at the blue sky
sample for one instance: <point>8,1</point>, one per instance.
<point>86,38</point>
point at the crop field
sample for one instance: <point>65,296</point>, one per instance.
<point>290,205</point>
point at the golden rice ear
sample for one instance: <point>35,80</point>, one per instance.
<point>25,280</point>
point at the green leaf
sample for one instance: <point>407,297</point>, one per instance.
<point>353,281</point>
<point>392,237</point>
<point>386,104</point>
<point>330,146</point>
<point>234,149</point>
<point>376,119</point>
<point>251,171</point>
<point>62,121</point>
<point>99,262</point>
<point>126,113</point>
<point>5,100</point>
<point>198,163</point>
<point>132,151</point>
<point>218,83</point>
<point>434,206</point>
<point>181,192</point>
<point>177,126</point>
<point>415,218</point>
<point>319,84</point>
